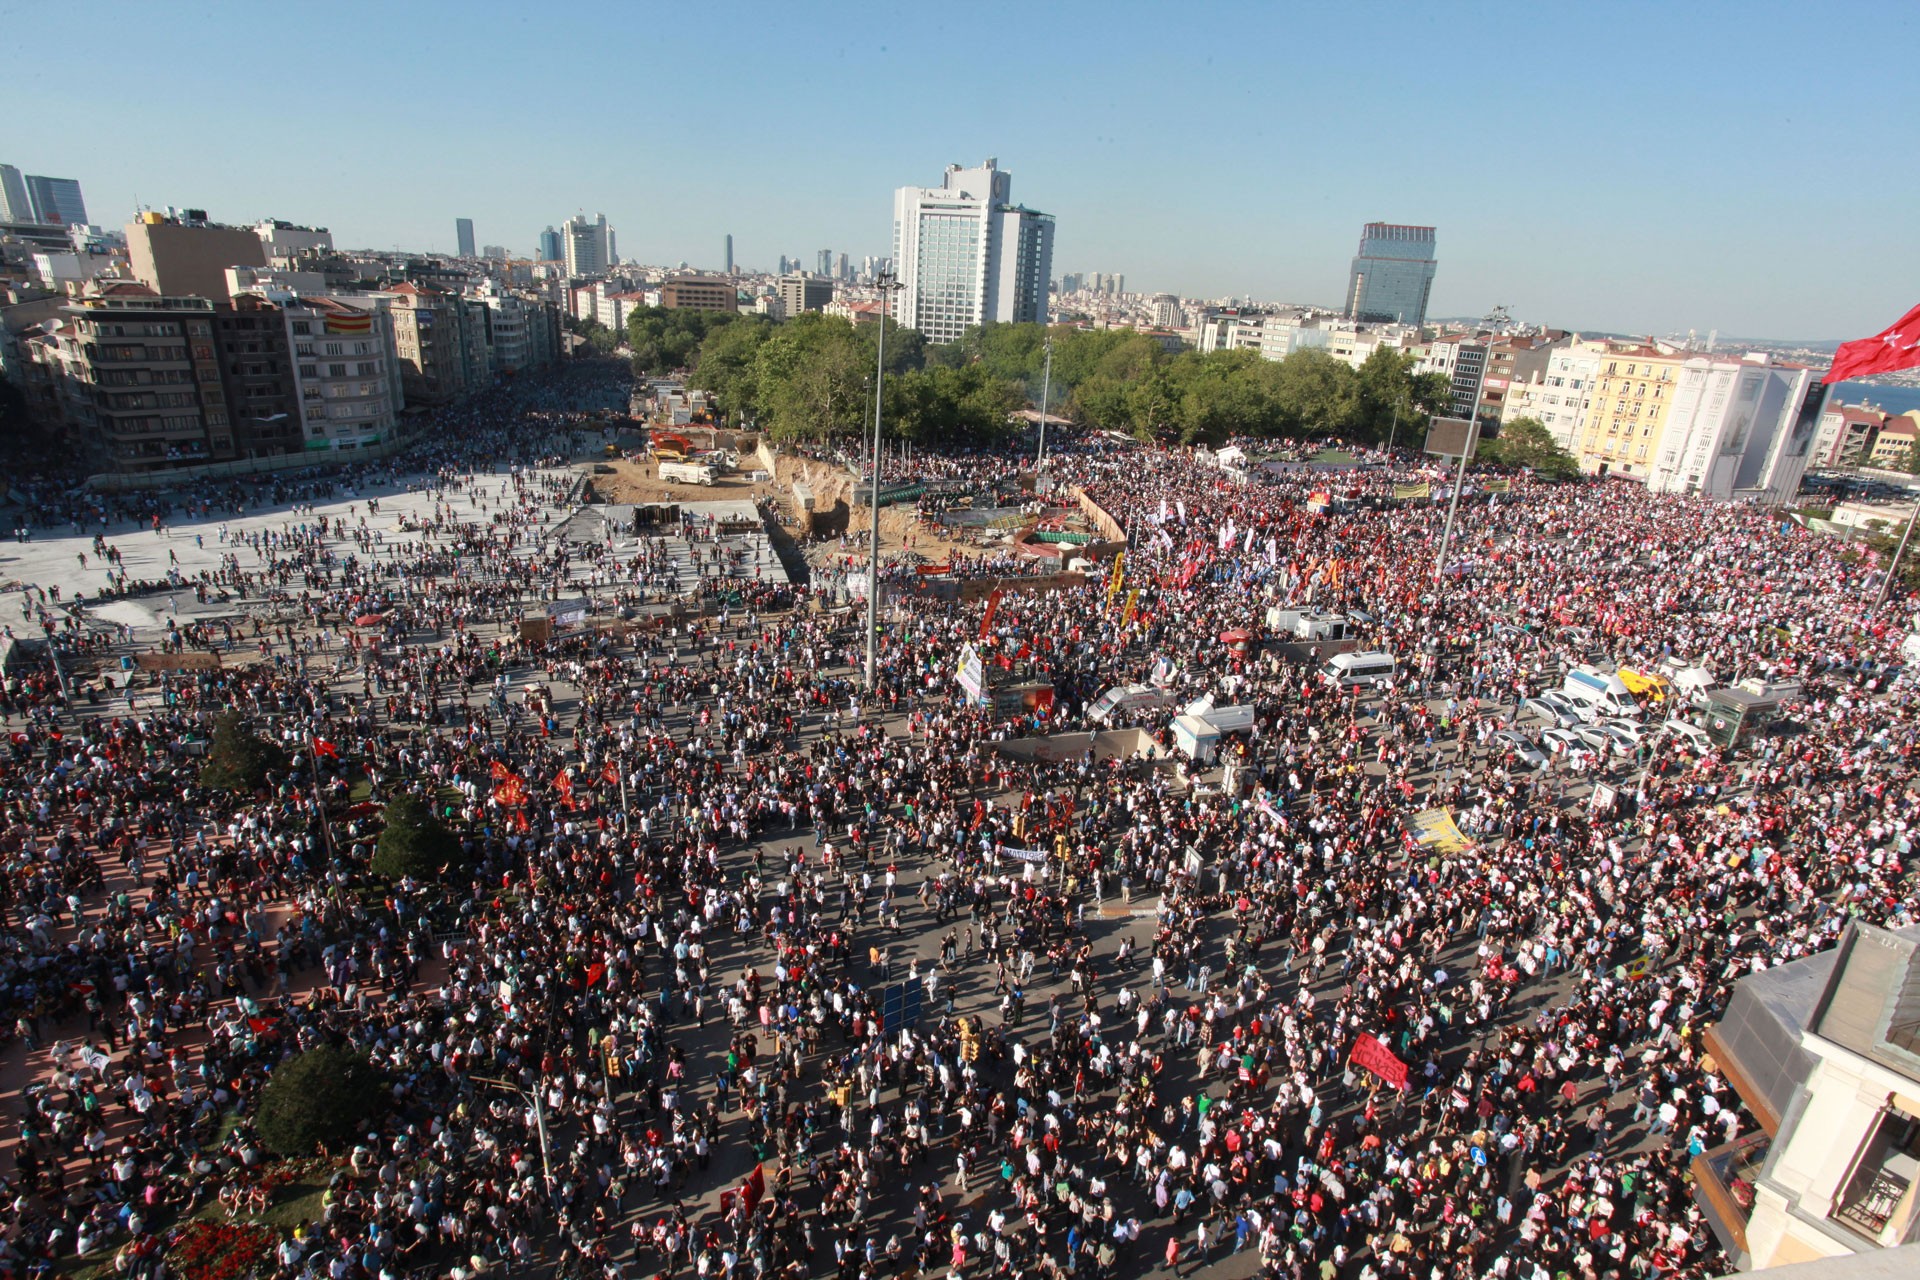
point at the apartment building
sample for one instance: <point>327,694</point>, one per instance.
<point>1825,1052</point>
<point>699,293</point>
<point>136,379</point>
<point>188,256</point>
<point>1738,428</point>
<point>429,343</point>
<point>1633,391</point>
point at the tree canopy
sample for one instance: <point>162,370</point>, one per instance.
<point>238,759</point>
<point>324,1098</point>
<point>414,842</point>
<point>1526,443</point>
<point>811,378</point>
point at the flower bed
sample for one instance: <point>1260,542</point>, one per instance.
<point>219,1250</point>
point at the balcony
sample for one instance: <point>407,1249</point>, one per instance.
<point>1723,1184</point>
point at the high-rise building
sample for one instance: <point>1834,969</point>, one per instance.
<point>823,263</point>
<point>549,249</point>
<point>188,257</point>
<point>1392,275</point>
<point>588,246</point>
<point>840,270</point>
<point>463,234</point>
<point>494,252</point>
<point>56,200</point>
<point>729,253</point>
<point>967,254</point>
<point>15,204</point>
<point>804,293</point>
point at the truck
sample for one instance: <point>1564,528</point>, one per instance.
<point>1603,690</point>
<point>1126,699</point>
<point>686,473</point>
<point>1309,627</point>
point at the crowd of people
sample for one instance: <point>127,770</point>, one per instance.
<point>743,969</point>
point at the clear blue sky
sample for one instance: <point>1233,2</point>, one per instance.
<point>1642,167</point>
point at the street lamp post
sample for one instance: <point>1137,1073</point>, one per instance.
<point>1046,385</point>
<point>539,1122</point>
<point>887,284</point>
<point>1460,476</point>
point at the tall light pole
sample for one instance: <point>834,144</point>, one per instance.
<point>888,284</point>
<point>1046,385</point>
<point>539,1120</point>
<point>1460,476</point>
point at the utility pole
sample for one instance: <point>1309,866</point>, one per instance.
<point>1893,566</point>
<point>539,1121</point>
<point>1046,385</point>
<point>1460,476</point>
<point>888,284</point>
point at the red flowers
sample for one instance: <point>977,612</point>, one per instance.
<point>219,1251</point>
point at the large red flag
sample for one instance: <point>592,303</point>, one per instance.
<point>754,1188</point>
<point>1896,347</point>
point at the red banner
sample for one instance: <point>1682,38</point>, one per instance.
<point>931,570</point>
<point>1377,1058</point>
<point>993,606</point>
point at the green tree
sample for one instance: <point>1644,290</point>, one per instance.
<point>1314,395</point>
<point>667,340</point>
<point>602,339</point>
<point>811,380</point>
<point>238,759</point>
<point>1388,393</point>
<point>726,364</point>
<point>320,1100</point>
<point>1526,444</point>
<point>414,843</point>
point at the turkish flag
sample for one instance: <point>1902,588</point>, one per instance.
<point>324,748</point>
<point>754,1188</point>
<point>1896,347</point>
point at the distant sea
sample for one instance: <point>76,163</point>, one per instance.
<point>1890,399</point>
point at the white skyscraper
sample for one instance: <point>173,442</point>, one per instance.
<point>588,246</point>
<point>967,254</point>
<point>15,204</point>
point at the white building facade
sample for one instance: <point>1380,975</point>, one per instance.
<point>1740,428</point>
<point>966,254</point>
<point>1560,400</point>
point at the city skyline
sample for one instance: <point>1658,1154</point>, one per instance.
<point>1640,186</point>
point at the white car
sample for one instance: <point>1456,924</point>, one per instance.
<point>1607,737</point>
<point>1692,735</point>
<point>1560,741</point>
<point>1632,730</point>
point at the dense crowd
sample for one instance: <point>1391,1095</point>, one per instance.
<point>698,859</point>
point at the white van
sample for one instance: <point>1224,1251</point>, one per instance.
<point>1351,670</point>
<point>1603,689</point>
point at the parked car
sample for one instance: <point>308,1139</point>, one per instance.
<point>1553,708</point>
<point>1559,741</point>
<point>1517,743</point>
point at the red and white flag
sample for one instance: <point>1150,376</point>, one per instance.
<point>1893,348</point>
